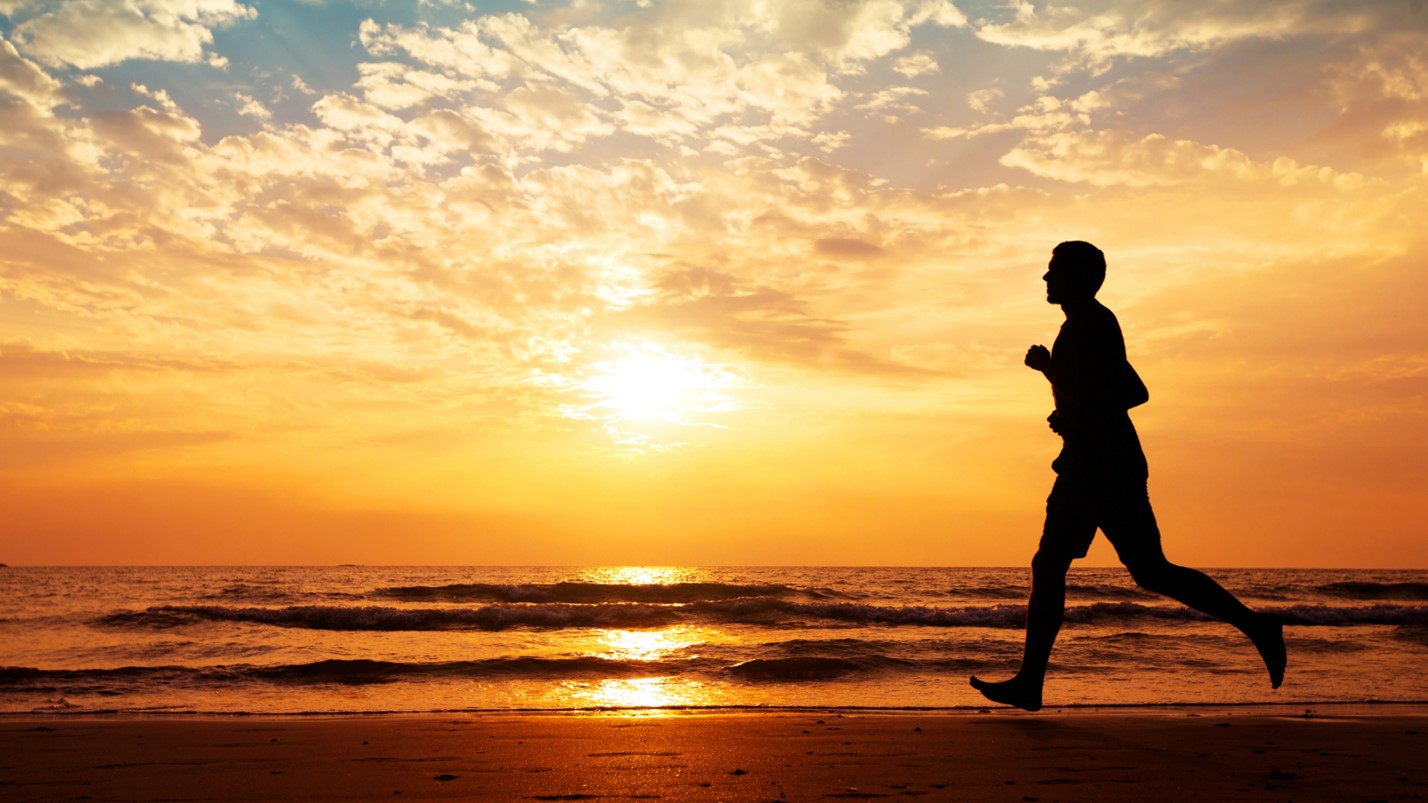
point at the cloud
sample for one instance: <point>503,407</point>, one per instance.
<point>757,321</point>
<point>23,79</point>
<point>959,359</point>
<point>23,360</point>
<point>451,132</point>
<point>675,73</point>
<point>96,33</point>
<point>543,118</point>
<point>250,107</point>
<point>1096,34</point>
<point>1110,157</point>
<point>1047,112</point>
<point>37,187</point>
<point>395,86</point>
<point>361,293</point>
<point>1382,97</point>
<point>508,194</point>
<point>899,99</point>
<point>916,64</point>
<point>981,100</point>
<point>829,141</point>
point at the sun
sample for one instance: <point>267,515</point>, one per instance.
<point>650,383</point>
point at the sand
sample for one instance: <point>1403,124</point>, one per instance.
<point>1208,755</point>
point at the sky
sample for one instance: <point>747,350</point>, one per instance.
<point>701,281</point>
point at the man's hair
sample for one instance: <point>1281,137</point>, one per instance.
<point>1085,261</point>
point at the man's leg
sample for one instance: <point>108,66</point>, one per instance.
<point>1130,526</point>
<point>1044,611</point>
<point>1066,536</point>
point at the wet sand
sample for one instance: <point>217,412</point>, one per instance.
<point>1210,755</point>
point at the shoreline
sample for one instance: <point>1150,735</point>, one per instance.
<point>1299,709</point>
<point>750,755</point>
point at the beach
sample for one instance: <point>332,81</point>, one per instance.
<point>719,684</point>
<point>1357,753</point>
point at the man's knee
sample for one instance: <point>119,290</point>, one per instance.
<point>1047,561</point>
<point>1150,573</point>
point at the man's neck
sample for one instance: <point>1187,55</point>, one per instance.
<point>1078,307</point>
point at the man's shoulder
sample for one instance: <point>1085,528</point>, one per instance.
<point>1093,316</point>
<point>1101,317</point>
<point>1092,328</point>
<point>1102,311</point>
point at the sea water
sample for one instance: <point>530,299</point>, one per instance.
<point>414,639</point>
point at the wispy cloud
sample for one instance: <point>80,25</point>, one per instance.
<point>97,33</point>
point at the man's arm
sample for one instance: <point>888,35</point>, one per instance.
<point>1038,358</point>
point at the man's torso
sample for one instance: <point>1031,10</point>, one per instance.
<point>1100,440</point>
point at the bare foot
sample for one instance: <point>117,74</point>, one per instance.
<point>1014,692</point>
<point>1268,638</point>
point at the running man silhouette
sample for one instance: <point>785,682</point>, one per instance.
<point>1101,482</point>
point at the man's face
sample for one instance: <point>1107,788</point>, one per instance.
<point>1056,282</point>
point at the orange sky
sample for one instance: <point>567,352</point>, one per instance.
<point>699,282</point>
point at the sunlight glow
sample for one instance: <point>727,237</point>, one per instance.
<point>644,394</point>
<point>651,383</point>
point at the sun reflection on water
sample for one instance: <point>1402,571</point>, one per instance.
<point>660,689</point>
<point>640,575</point>
<point>648,645</point>
<point>662,649</point>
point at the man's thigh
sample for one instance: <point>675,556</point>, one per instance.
<point>1126,517</point>
<point>1071,520</point>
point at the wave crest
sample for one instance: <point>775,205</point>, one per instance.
<point>1354,589</point>
<point>596,593</point>
<point>761,611</point>
<point>337,617</point>
<point>808,667</point>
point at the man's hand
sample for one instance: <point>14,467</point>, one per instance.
<point>1038,358</point>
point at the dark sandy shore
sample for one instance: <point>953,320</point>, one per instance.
<point>1210,755</point>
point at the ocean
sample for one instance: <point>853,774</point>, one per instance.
<point>354,639</point>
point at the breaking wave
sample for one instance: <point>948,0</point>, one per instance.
<point>351,671</point>
<point>336,617</point>
<point>595,593</point>
<point>782,670</point>
<point>760,610</point>
<point>361,672</point>
<point>1353,589</point>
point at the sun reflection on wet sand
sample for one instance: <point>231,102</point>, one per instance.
<point>660,690</point>
<point>648,696</point>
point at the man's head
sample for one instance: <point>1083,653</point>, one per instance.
<point>1075,273</point>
